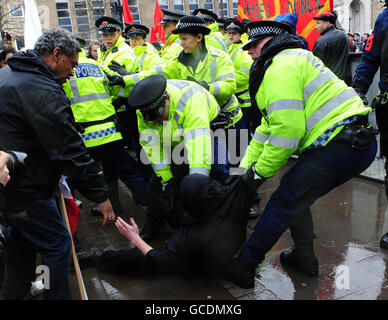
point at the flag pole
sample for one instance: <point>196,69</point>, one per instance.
<point>77,269</point>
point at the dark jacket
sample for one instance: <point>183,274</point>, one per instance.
<point>333,49</point>
<point>36,118</point>
<point>375,56</point>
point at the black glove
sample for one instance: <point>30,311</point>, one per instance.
<point>252,179</point>
<point>116,67</point>
<point>167,196</point>
<point>115,80</point>
<point>202,83</point>
<point>362,96</point>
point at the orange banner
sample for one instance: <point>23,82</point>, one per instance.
<point>270,9</point>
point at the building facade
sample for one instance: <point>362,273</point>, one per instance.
<point>79,16</point>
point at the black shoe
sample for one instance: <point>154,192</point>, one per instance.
<point>240,272</point>
<point>149,231</point>
<point>96,212</point>
<point>302,258</point>
<point>384,241</point>
<point>89,258</point>
<point>254,211</point>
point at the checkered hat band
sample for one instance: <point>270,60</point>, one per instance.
<point>206,16</point>
<point>110,25</point>
<point>189,24</point>
<point>156,103</point>
<point>265,30</point>
<point>168,17</point>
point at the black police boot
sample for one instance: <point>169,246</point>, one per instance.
<point>150,230</point>
<point>90,258</point>
<point>240,272</point>
<point>384,241</point>
<point>254,210</point>
<point>302,258</point>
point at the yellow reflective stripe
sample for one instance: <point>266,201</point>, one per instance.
<point>226,76</point>
<point>221,42</point>
<point>316,83</point>
<point>196,133</point>
<point>285,104</point>
<point>229,103</point>
<point>260,137</point>
<point>329,106</point>
<point>245,69</point>
<point>213,69</point>
<point>203,171</point>
<point>282,142</point>
<point>216,89</point>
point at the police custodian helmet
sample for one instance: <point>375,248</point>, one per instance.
<point>149,95</point>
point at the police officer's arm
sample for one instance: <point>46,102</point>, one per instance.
<point>54,126</point>
<point>225,80</point>
<point>256,146</point>
<point>283,101</point>
<point>152,143</point>
<point>370,60</point>
<point>242,64</point>
<point>196,132</point>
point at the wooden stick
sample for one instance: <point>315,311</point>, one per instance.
<point>78,273</point>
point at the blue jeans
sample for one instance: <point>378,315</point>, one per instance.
<point>316,173</point>
<point>36,226</point>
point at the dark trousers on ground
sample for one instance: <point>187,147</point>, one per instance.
<point>316,173</point>
<point>117,162</point>
<point>382,123</point>
<point>36,226</point>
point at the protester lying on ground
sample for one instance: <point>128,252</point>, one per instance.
<point>214,229</point>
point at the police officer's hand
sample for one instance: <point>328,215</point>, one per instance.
<point>116,80</point>
<point>202,83</point>
<point>361,94</point>
<point>116,67</point>
<point>167,196</point>
<point>252,179</point>
<point>107,211</point>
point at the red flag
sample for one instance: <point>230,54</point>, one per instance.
<point>153,36</point>
<point>158,17</point>
<point>127,13</point>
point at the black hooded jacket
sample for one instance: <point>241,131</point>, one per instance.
<point>333,49</point>
<point>36,118</point>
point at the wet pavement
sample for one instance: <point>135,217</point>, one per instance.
<point>349,222</point>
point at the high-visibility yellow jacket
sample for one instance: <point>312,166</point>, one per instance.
<point>191,110</point>
<point>300,99</point>
<point>147,57</point>
<point>215,38</point>
<point>216,69</point>
<point>171,48</point>
<point>91,103</point>
<point>122,54</point>
<point>152,48</point>
<point>242,62</point>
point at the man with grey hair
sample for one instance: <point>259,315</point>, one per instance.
<point>36,118</point>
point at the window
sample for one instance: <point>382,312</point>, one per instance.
<point>223,7</point>
<point>235,8</point>
<point>64,14</point>
<point>98,9</point>
<point>208,4</point>
<point>163,4</point>
<point>193,5</point>
<point>134,7</point>
<point>82,17</point>
<point>16,10</point>
<point>178,4</point>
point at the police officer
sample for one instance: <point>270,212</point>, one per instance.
<point>146,53</point>
<point>125,60</point>
<point>242,62</point>
<point>174,116</point>
<point>375,56</point>
<point>92,108</point>
<point>172,46</point>
<point>221,26</point>
<point>215,38</point>
<point>309,111</point>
